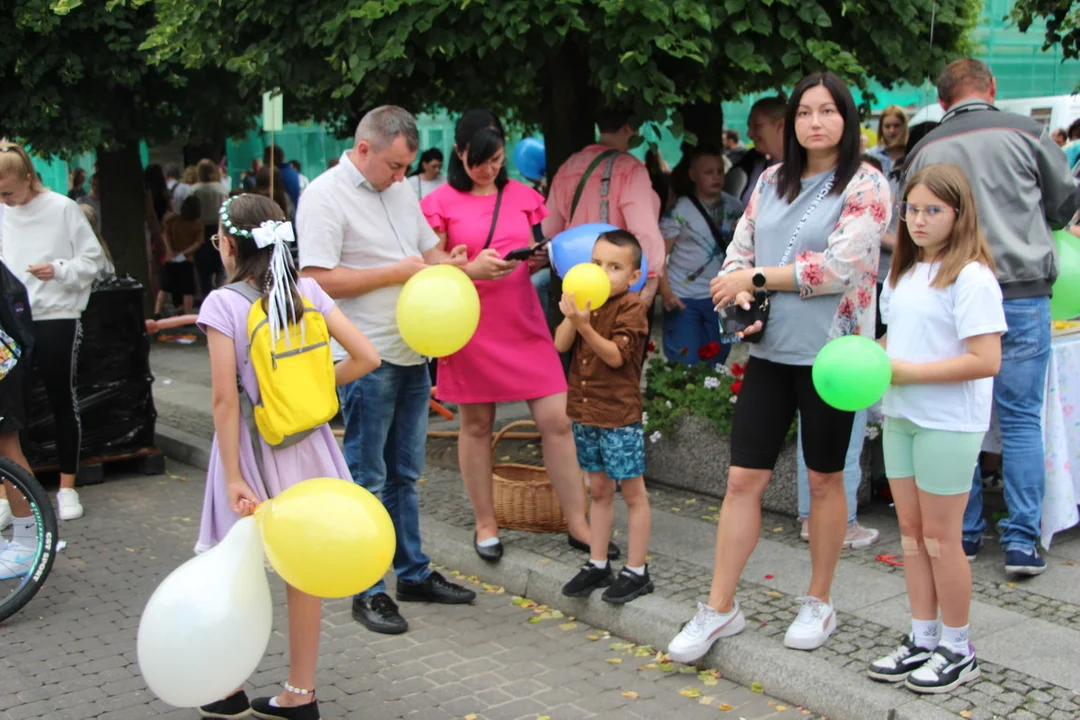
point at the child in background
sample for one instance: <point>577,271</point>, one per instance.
<point>942,304</point>
<point>604,401</point>
<point>109,270</point>
<point>183,234</point>
<point>252,241</point>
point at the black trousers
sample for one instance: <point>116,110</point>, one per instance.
<point>56,354</point>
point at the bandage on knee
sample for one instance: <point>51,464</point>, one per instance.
<point>909,545</point>
<point>933,548</point>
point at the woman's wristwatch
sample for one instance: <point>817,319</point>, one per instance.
<point>759,279</point>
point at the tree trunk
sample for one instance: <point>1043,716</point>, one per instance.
<point>706,120</point>
<point>123,210</point>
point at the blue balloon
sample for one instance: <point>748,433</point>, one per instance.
<point>575,245</point>
<point>530,158</point>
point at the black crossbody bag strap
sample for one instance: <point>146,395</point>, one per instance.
<point>494,219</point>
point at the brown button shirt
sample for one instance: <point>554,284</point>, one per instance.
<point>601,395</point>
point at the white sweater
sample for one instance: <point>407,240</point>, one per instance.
<point>52,229</point>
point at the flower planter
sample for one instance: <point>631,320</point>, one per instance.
<point>695,456</point>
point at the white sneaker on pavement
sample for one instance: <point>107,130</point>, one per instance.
<point>5,513</point>
<point>814,624</point>
<point>804,530</point>
<point>706,627</point>
<point>68,506</point>
<point>15,560</point>
<point>859,537</point>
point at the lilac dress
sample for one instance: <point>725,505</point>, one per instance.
<point>315,456</point>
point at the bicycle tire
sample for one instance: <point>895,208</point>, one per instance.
<point>47,537</point>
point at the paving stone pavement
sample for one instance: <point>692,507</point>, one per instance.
<point>70,654</point>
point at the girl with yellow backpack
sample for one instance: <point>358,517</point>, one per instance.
<point>274,393</point>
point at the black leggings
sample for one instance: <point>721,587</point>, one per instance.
<point>56,353</point>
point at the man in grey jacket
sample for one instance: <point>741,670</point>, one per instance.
<point>1022,184</point>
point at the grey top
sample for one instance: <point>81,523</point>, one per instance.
<point>798,327</point>
<point>695,257</point>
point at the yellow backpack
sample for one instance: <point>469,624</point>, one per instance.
<point>295,375</point>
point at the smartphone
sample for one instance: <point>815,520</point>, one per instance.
<point>526,252</point>
<point>733,320</point>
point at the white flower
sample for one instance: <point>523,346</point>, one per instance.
<point>669,403</point>
<point>872,432</point>
<point>645,419</point>
<point>655,437</point>
<point>712,382</point>
<point>733,399</point>
<point>722,369</point>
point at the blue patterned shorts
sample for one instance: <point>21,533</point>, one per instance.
<point>620,452</point>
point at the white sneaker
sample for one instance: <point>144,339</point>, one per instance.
<point>804,530</point>
<point>859,537</point>
<point>812,627</point>
<point>5,513</point>
<point>706,627</point>
<point>15,560</point>
<point>68,506</point>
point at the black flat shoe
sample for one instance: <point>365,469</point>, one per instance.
<point>612,548</point>
<point>491,553</point>
<point>378,613</point>
<point>261,708</point>
<point>234,707</point>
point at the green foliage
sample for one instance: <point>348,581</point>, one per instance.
<point>657,54</point>
<point>1062,22</point>
<point>674,390</point>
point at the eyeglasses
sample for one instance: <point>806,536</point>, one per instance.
<point>910,212</point>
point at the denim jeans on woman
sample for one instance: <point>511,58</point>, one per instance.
<point>1018,398</point>
<point>386,417</point>
<point>853,473</point>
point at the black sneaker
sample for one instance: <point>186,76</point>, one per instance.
<point>971,548</point>
<point>627,586</point>
<point>612,548</point>
<point>435,589</point>
<point>378,613</point>
<point>589,578</point>
<point>944,671</point>
<point>261,708</point>
<point>231,708</point>
<point>901,662</point>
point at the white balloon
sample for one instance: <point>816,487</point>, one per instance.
<point>206,627</point>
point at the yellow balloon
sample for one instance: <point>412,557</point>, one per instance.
<point>588,283</point>
<point>438,311</point>
<point>327,537</point>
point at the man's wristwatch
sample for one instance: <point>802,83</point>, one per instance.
<point>759,279</point>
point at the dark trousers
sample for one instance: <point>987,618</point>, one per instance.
<point>56,354</point>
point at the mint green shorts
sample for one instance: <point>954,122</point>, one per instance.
<point>942,461</point>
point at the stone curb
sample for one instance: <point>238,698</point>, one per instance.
<point>798,678</point>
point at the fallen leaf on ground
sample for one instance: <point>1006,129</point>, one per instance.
<point>568,626</point>
<point>545,561</point>
<point>781,708</point>
<point>714,508</point>
<point>778,529</point>
<point>691,692</point>
<point>687,671</point>
<point>504,458</point>
<point>724,707</point>
<point>1010,585</point>
<point>630,694</point>
<point>705,700</point>
<point>422,480</point>
<point>756,687</point>
<point>557,614</point>
<point>536,619</point>
<point>1068,563</point>
<point>710,682</point>
<point>620,646</point>
<point>644,651</point>
<point>594,638</point>
<point>471,717</point>
<point>614,661</point>
<point>691,501</point>
<point>676,509</point>
<point>666,667</point>
<point>773,593</point>
<point>649,666</point>
<point>965,713</point>
<point>544,717</point>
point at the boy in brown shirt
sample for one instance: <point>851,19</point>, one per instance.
<point>604,401</point>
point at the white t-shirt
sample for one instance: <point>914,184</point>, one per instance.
<point>928,324</point>
<point>423,187</point>
<point>343,221</point>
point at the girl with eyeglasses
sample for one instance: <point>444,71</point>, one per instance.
<point>942,304</point>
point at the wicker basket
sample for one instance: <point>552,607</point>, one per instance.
<point>524,498</point>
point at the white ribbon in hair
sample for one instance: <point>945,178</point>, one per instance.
<point>271,231</point>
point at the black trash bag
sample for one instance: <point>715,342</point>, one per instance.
<point>113,380</point>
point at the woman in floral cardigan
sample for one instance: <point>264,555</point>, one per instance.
<point>810,237</point>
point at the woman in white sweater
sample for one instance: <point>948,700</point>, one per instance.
<point>49,245</point>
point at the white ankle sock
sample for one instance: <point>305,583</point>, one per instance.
<point>926,633</point>
<point>490,542</point>
<point>599,564</point>
<point>25,531</point>
<point>639,571</point>
<point>956,639</point>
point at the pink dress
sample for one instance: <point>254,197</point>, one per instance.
<point>315,456</point>
<point>512,356</point>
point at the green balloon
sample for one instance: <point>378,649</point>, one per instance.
<point>1065,304</point>
<point>851,373</point>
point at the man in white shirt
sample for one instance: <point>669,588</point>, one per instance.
<point>362,235</point>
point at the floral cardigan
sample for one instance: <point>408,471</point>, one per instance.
<point>848,266</point>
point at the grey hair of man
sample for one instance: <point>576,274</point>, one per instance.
<point>381,126</point>
<point>965,78</point>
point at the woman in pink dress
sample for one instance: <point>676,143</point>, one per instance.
<point>512,356</point>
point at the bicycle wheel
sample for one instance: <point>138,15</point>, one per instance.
<point>25,561</point>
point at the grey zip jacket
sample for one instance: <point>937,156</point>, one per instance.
<point>1022,184</point>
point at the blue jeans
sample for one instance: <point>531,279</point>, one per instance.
<point>686,331</point>
<point>1018,397</point>
<point>386,416</point>
<point>541,280</point>
<point>852,470</point>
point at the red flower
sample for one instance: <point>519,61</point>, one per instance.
<point>703,352</point>
<point>737,370</point>
<point>854,206</point>
<point>683,352</point>
<point>812,274</point>
<point>652,346</point>
<point>877,210</point>
<point>865,298</point>
<point>736,387</point>
<point>714,348</point>
<point>847,308</point>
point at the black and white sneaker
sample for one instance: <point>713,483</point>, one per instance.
<point>628,586</point>
<point>589,578</point>
<point>944,671</point>
<point>901,662</point>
